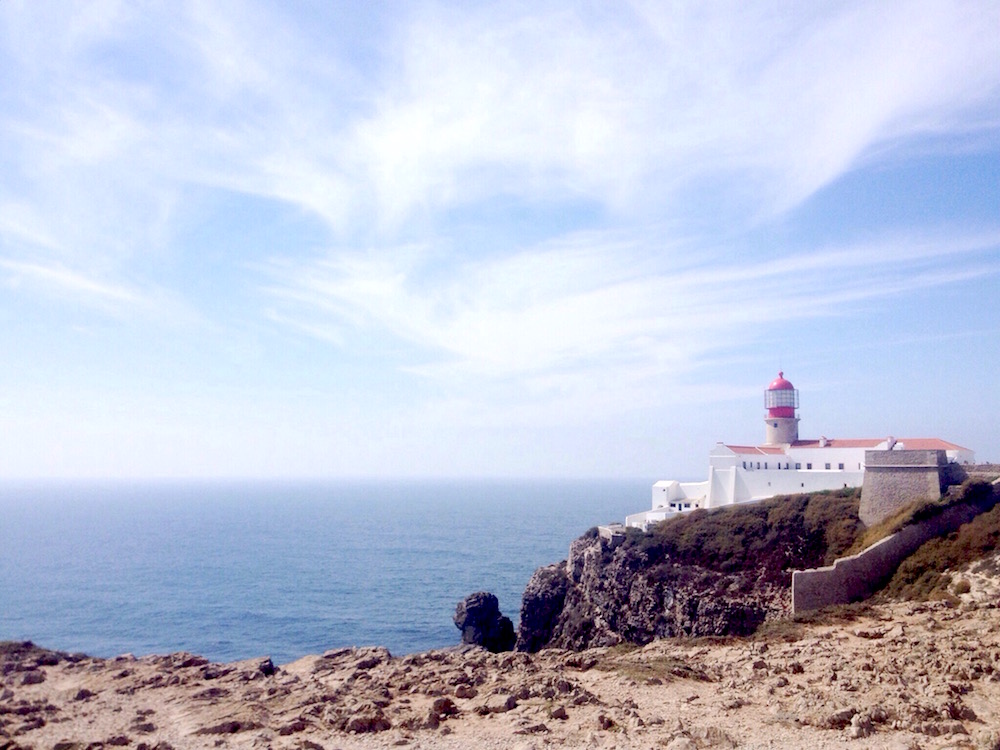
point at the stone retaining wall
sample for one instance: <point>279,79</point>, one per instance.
<point>855,578</point>
<point>612,535</point>
<point>988,472</point>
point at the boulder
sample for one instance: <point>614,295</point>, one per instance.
<point>478,617</point>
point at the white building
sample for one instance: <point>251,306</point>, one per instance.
<point>783,465</point>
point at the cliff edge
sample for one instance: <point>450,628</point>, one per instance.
<point>726,572</point>
<point>715,573</point>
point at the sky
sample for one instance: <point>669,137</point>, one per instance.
<point>457,239</point>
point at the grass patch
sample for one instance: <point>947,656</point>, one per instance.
<point>796,628</point>
<point>920,510</point>
<point>840,614</point>
<point>780,631</point>
<point>663,668</point>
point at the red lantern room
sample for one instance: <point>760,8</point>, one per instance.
<point>781,399</point>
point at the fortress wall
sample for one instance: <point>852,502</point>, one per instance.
<point>855,578</point>
<point>894,479</point>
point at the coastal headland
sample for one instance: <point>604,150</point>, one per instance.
<point>916,667</point>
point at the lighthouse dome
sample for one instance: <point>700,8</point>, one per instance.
<point>780,384</point>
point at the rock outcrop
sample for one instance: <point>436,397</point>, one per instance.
<point>478,617</point>
<point>542,606</point>
<point>602,597</point>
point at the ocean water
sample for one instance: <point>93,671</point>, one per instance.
<point>234,570</point>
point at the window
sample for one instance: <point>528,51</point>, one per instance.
<point>809,466</point>
<point>797,466</point>
<point>840,466</point>
<point>827,465</point>
<point>687,505</point>
<point>765,464</point>
<point>744,464</point>
<point>758,464</point>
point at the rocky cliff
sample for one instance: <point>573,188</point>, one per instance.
<point>718,573</point>
<point>601,598</point>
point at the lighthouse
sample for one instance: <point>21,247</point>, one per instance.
<point>781,399</point>
<point>788,465</point>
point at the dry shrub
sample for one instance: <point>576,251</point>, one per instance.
<point>972,491</point>
<point>922,575</point>
<point>771,537</point>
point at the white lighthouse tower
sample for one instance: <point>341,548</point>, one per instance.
<point>781,399</point>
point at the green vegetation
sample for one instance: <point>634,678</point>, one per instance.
<point>924,574</point>
<point>770,538</point>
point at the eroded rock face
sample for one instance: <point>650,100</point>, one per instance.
<point>541,606</point>
<point>478,617</point>
<point>602,597</point>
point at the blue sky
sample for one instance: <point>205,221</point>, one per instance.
<point>490,239</point>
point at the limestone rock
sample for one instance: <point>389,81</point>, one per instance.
<point>499,704</point>
<point>370,721</point>
<point>861,726</point>
<point>465,692</point>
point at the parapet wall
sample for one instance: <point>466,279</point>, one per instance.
<point>895,478</point>
<point>855,578</point>
<point>611,535</point>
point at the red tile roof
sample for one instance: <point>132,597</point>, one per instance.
<point>918,444</point>
<point>758,450</point>
<point>840,443</point>
<point>930,444</point>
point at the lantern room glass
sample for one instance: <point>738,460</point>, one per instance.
<point>783,398</point>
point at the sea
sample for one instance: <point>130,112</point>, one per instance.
<point>239,569</point>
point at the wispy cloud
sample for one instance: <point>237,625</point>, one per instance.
<point>61,281</point>
<point>551,317</point>
<point>633,111</point>
<point>73,289</point>
<point>637,111</point>
<point>530,204</point>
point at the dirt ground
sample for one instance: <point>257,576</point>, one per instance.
<point>894,676</point>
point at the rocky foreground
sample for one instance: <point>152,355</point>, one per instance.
<point>896,675</point>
